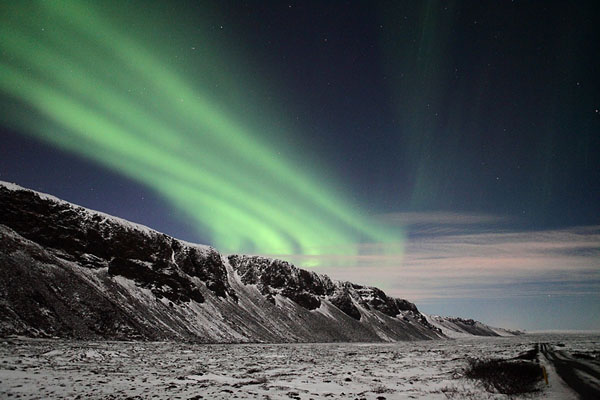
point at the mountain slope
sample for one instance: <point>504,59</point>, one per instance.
<point>71,272</point>
<point>458,327</point>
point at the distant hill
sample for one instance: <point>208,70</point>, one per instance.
<point>453,327</point>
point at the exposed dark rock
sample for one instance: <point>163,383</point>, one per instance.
<point>307,288</point>
<point>469,322</point>
<point>39,299</point>
<point>280,277</point>
<point>343,301</point>
<point>172,286</point>
<point>405,305</point>
<point>209,267</point>
<point>95,241</point>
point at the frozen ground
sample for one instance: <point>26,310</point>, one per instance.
<point>119,370</point>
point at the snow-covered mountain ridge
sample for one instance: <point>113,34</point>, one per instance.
<point>454,327</point>
<point>71,272</point>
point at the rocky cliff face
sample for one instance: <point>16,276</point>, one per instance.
<point>306,288</point>
<point>71,272</point>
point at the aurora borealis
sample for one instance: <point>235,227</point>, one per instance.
<point>171,136</point>
<point>409,145</point>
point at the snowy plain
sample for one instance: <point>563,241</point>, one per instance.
<point>40,369</point>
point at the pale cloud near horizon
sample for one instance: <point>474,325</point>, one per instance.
<point>475,264</point>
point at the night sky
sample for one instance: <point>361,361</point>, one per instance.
<point>447,152</point>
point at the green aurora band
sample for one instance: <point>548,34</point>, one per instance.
<point>80,83</point>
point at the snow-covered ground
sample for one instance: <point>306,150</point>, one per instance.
<point>113,370</point>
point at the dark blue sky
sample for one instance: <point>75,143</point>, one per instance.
<point>473,106</point>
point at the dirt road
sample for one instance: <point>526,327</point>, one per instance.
<point>581,375</point>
